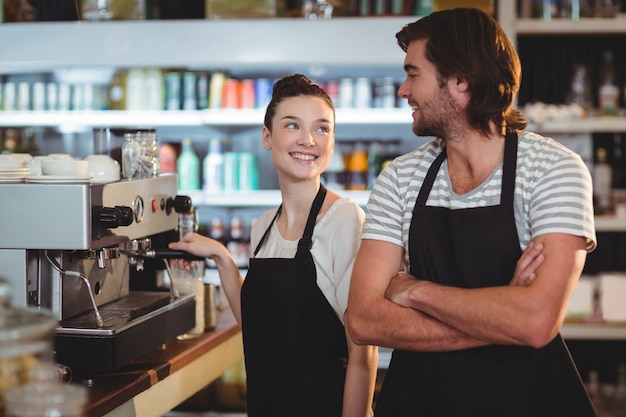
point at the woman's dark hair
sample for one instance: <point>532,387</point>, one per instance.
<point>293,86</point>
<point>468,43</point>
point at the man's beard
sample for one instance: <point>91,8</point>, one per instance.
<point>438,119</point>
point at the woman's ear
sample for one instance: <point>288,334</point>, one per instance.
<point>267,135</point>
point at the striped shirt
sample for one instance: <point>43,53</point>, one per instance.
<point>553,193</point>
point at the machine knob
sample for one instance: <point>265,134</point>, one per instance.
<point>126,215</point>
<point>112,217</point>
<point>180,204</point>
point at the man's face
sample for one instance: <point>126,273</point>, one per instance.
<point>434,108</point>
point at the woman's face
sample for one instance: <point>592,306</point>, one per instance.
<point>302,137</point>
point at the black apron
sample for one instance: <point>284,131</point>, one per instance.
<point>475,248</point>
<point>295,346</point>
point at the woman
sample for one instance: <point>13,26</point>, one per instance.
<point>299,359</point>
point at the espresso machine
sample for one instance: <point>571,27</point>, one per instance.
<point>70,248</point>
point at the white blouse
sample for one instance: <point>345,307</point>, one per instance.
<point>336,240</point>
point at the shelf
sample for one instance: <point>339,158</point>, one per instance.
<point>598,124</point>
<point>204,44</point>
<point>256,198</point>
<point>84,120</point>
<point>592,26</point>
<point>594,331</point>
<point>610,224</point>
<point>271,198</point>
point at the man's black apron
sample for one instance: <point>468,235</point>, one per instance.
<point>294,344</point>
<point>474,248</point>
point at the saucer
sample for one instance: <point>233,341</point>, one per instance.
<point>14,171</point>
<point>58,179</point>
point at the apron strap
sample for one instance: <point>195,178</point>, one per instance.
<point>509,165</point>
<point>306,242</point>
<point>427,185</point>
<point>267,231</point>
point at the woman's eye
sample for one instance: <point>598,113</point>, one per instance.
<point>323,129</point>
<point>291,126</point>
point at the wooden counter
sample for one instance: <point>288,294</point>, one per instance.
<point>155,383</point>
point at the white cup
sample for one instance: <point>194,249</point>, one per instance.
<point>103,169</point>
<point>64,167</point>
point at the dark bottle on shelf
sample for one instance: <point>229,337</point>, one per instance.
<point>238,245</point>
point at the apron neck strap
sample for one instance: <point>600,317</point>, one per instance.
<point>306,242</point>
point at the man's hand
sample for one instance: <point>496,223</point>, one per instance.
<point>527,264</point>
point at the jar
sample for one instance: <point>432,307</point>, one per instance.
<point>149,158</point>
<point>26,341</point>
<point>140,155</point>
<point>130,157</point>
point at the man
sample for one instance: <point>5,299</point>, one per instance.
<point>491,226</point>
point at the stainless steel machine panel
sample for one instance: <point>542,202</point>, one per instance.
<point>51,216</point>
<point>61,216</point>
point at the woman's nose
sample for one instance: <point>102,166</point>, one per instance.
<point>306,139</point>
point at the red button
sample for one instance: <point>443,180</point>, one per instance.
<point>155,206</point>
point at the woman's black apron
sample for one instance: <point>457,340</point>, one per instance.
<point>474,248</point>
<point>294,344</point>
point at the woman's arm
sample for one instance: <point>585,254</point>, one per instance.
<point>360,382</point>
<point>229,274</point>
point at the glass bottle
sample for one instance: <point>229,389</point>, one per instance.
<point>237,244</point>
<point>608,91</point>
<point>333,175</point>
<point>602,180</point>
<point>580,88</point>
<point>357,168</point>
<point>117,91</point>
<point>188,167</point>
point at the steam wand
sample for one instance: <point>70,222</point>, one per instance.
<point>56,266</point>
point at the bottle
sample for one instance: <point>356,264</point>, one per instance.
<point>357,168</point>
<point>216,232</point>
<point>238,245</point>
<point>188,167</point>
<point>117,91</point>
<point>213,168</point>
<point>375,162</point>
<point>580,88</point>
<point>135,90</point>
<point>333,175</point>
<point>608,92</point>
<point>602,180</point>
<point>154,94</point>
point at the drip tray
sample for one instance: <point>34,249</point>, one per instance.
<point>133,326</point>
